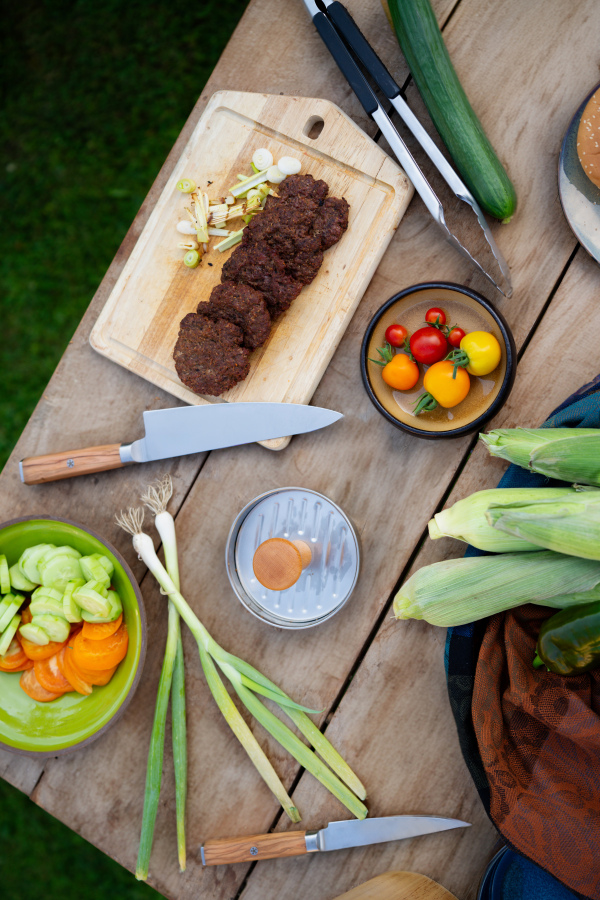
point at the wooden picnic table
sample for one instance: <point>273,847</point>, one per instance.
<point>380,683</point>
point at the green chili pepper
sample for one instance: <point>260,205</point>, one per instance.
<point>569,641</point>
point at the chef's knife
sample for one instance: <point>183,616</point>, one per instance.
<point>182,430</point>
<point>336,836</point>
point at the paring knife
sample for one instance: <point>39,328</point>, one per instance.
<point>335,26</point>
<point>183,430</point>
<point>336,836</point>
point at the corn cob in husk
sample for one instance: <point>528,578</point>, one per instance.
<point>466,519</point>
<point>569,454</point>
<point>456,591</point>
<point>567,525</point>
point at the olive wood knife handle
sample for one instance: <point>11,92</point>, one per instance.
<point>253,847</point>
<point>54,466</point>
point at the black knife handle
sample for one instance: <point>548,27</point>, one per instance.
<point>351,33</point>
<point>348,67</point>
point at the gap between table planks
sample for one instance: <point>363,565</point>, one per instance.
<point>367,437</point>
<point>139,324</point>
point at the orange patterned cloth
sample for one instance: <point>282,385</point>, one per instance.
<point>538,735</point>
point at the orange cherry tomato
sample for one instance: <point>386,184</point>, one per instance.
<point>97,631</point>
<point>34,689</point>
<point>440,382</point>
<point>401,373</point>
<point>104,654</point>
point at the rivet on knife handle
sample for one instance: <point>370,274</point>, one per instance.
<point>55,466</point>
<point>251,848</point>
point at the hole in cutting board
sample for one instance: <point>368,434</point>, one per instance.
<point>313,127</point>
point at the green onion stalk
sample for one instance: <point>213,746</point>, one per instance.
<point>249,684</point>
<point>171,683</point>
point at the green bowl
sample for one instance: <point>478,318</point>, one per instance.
<point>73,720</point>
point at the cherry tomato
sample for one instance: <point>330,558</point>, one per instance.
<point>396,335</point>
<point>435,316</point>
<point>483,351</point>
<point>455,336</point>
<point>401,373</point>
<point>443,387</point>
<point>428,345</point>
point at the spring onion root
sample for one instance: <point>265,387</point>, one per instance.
<point>248,682</point>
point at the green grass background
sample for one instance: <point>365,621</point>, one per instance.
<point>94,94</point>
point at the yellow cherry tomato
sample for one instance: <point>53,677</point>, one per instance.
<point>401,373</point>
<point>448,391</point>
<point>483,351</point>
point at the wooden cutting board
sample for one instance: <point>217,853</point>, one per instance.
<point>398,886</point>
<point>139,324</point>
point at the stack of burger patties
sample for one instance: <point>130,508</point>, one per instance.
<point>281,251</point>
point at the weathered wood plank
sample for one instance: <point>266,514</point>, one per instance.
<point>64,415</point>
<point>395,717</point>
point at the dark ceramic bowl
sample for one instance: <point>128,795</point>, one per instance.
<point>470,311</point>
<point>73,720</point>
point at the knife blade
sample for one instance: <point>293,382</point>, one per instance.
<point>182,430</point>
<point>335,836</point>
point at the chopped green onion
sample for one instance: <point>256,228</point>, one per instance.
<point>253,181</point>
<point>191,259</point>
<point>186,185</point>
<point>234,238</point>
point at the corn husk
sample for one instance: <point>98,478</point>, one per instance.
<point>456,591</point>
<point>466,519</point>
<point>569,454</point>
<point>568,525</point>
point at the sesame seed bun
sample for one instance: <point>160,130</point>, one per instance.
<point>588,139</point>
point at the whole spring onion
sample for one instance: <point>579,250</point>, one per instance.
<point>456,591</point>
<point>172,682</point>
<point>569,454</point>
<point>466,519</point>
<point>248,682</point>
<point>568,525</point>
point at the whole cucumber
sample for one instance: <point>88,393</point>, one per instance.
<point>423,46</point>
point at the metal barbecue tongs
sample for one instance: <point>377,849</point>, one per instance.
<point>335,26</point>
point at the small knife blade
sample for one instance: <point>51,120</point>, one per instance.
<point>182,430</point>
<point>335,836</point>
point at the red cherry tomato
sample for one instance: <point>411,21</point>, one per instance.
<point>455,336</point>
<point>428,345</point>
<point>396,335</point>
<point>435,316</point>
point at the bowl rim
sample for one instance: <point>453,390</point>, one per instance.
<point>46,754</point>
<point>507,381</point>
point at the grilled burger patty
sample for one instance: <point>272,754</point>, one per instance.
<point>281,251</point>
<point>242,305</point>
<point>208,354</point>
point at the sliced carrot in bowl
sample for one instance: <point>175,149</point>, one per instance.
<point>14,660</point>
<point>50,677</point>
<point>40,651</point>
<point>97,631</point>
<point>34,689</point>
<point>104,654</point>
<point>71,672</point>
